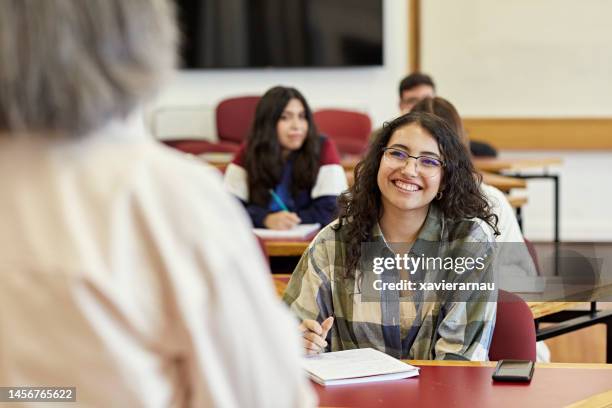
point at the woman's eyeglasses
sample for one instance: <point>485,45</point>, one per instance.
<point>426,165</point>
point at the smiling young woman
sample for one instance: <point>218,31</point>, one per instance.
<point>416,186</point>
<point>286,173</point>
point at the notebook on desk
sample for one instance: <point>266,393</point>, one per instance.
<point>356,366</point>
<point>300,231</point>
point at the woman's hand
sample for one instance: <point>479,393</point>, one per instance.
<point>282,220</point>
<point>314,334</point>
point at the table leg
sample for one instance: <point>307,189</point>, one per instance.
<point>556,183</point>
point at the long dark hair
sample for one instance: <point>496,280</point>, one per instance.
<point>361,206</point>
<point>264,162</point>
<point>444,109</point>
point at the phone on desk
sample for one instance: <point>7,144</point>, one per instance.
<point>514,370</point>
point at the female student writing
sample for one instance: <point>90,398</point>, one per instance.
<point>287,173</point>
<point>416,187</point>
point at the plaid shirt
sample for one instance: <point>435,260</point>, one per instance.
<point>403,329</point>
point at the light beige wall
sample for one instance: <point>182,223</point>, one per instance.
<point>533,59</point>
<point>525,58</point>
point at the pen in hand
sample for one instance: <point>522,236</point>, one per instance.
<point>314,334</point>
<point>278,200</point>
<point>280,220</point>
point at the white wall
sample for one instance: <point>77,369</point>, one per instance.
<point>521,57</point>
<point>372,89</point>
<point>542,58</point>
<point>585,197</point>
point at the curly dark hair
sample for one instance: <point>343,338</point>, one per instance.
<point>263,159</point>
<point>360,207</point>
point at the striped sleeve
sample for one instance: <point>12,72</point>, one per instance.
<point>331,179</point>
<point>236,178</point>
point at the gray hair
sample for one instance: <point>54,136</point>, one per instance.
<point>70,66</point>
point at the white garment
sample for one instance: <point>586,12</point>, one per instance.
<point>506,223</point>
<point>128,272</point>
<point>513,256</point>
<point>516,262</point>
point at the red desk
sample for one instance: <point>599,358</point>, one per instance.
<point>444,384</point>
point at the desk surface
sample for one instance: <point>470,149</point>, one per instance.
<point>286,248</point>
<point>350,162</point>
<point>469,384</point>
<point>504,183</point>
<point>517,202</point>
<point>496,165</point>
<point>541,309</point>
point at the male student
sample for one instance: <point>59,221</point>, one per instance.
<point>414,88</point>
<point>418,86</point>
<point>127,272</point>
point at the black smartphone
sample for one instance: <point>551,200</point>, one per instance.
<point>514,370</point>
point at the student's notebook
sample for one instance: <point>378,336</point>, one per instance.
<point>356,366</point>
<point>298,232</point>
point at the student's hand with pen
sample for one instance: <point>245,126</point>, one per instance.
<point>314,334</point>
<point>281,220</point>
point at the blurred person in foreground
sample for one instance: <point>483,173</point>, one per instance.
<point>127,271</point>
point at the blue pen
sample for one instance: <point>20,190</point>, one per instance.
<point>278,200</point>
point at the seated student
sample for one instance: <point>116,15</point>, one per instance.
<point>414,88</point>
<point>287,173</point>
<point>415,186</point>
<point>507,224</point>
<point>509,230</point>
<point>417,86</point>
<point>514,259</point>
<point>127,271</point>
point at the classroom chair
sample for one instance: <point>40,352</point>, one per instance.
<point>514,336</point>
<point>350,130</point>
<point>234,117</point>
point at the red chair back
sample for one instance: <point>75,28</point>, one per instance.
<point>350,130</point>
<point>514,336</point>
<point>235,118</point>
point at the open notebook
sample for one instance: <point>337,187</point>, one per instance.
<point>356,366</point>
<point>299,231</point>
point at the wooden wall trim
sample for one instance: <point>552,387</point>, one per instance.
<point>414,35</point>
<point>542,133</point>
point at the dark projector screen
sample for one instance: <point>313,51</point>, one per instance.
<point>280,33</point>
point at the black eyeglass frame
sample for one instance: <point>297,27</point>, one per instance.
<point>385,149</point>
